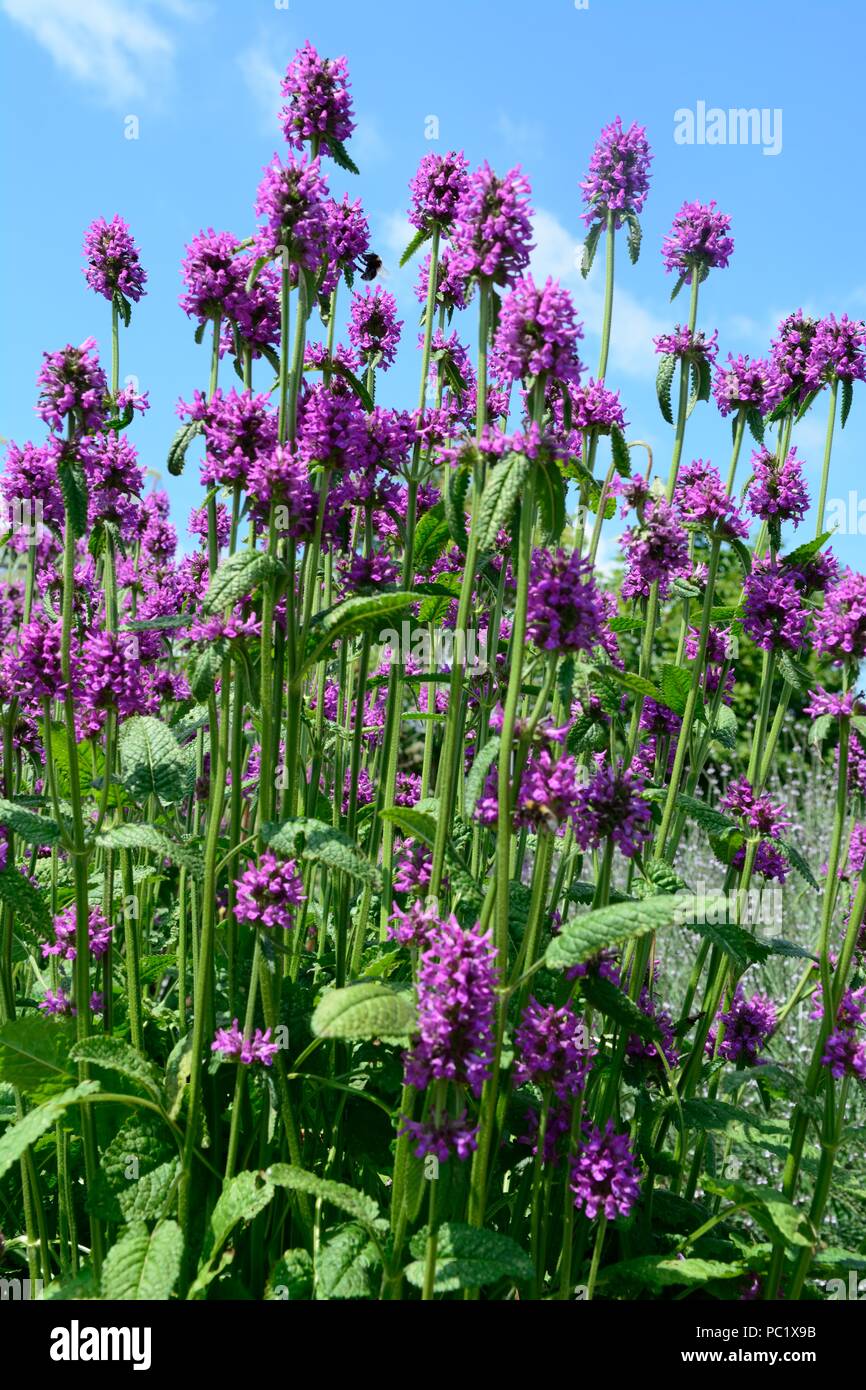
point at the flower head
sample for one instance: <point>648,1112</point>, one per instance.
<point>618,178</point>
<point>777,491</point>
<point>605,1178</point>
<point>537,334</point>
<point>72,384</point>
<point>456,1001</point>
<point>755,383</point>
<point>610,805</point>
<point>551,1049</point>
<point>113,264</point>
<point>492,233</point>
<point>292,199</point>
<point>437,187</point>
<point>318,104</point>
<point>374,329</point>
<point>269,892</point>
<point>698,241</point>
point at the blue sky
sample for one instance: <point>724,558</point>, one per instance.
<point>511,82</point>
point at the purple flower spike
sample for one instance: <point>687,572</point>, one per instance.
<point>492,232</point>
<point>698,241</point>
<point>618,178</point>
<point>318,102</point>
<point>113,265</point>
<point>605,1178</point>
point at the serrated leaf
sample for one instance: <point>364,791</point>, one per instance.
<point>664,381</point>
<point>35,830</point>
<point>585,936</point>
<point>431,538</point>
<point>113,1054</point>
<point>660,1271</point>
<point>151,760</point>
<point>340,155</point>
<point>634,237</point>
<point>179,445</point>
<point>345,1264</point>
<point>469,1258</point>
<point>770,1208</point>
<point>796,860</point>
<point>604,996</point>
<point>418,240</point>
<point>73,486</point>
<point>620,452</point>
<point>123,1189</point>
<point>365,613</point>
<point>477,775</point>
<point>502,491</point>
<point>291,1278</point>
<point>18,1137</point>
<point>149,837</point>
<point>241,1199</point>
<point>590,246</point>
<point>454,503</point>
<point>348,1199</point>
<point>237,577</point>
<point>847,399</point>
<point>34,1053</point>
<point>740,945</point>
<point>675,687</point>
<point>143,1266</point>
<point>365,1011</point>
<point>25,900</point>
<point>313,840</point>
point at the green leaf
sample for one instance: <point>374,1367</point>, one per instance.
<point>419,824</point>
<point>502,491</point>
<point>805,552</point>
<point>795,858</point>
<point>204,667</point>
<point>149,837</point>
<point>620,452</point>
<point>792,672</point>
<point>345,1264</point>
<point>340,156</point>
<point>25,900</point>
<point>313,840</point>
<point>550,497</point>
<point>725,727</point>
<point>706,817</point>
<point>418,240</point>
<point>589,248</point>
<point>755,422</point>
<point>740,945</point>
<point>676,685</point>
<point>143,1266</point>
<point>468,1258</point>
<point>34,1053</point>
<point>36,830</point>
<point>291,1278</point>
<point>847,399</point>
<point>770,1208</point>
<point>365,613</point>
<point>432,538</point>
<point>585,936</point>
<point>356,1204</point>
<point>664,380</point>
<point>241,1199</point>
<point>19,1137</point>
<point>631,681</point>
<point>73,486</point>
<point>477,775</point>
<point>659,1271</point>
<point>604,996</point>
<point>365,1010</point>
<point>124,1188</point>
<point>113,1054</point>
<point>634,237</point>
<point>237,576</point>
<point>151,760</point>
<point>454,503</point>
<point>179,445</point>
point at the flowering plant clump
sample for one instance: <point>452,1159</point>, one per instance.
<point>379,864</point>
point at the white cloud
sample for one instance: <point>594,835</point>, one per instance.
<point>367,145</point>
<point>263,78</point>
<point>124,51</point>
<point>558,253</point>
<point>526,137</point>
